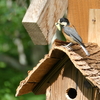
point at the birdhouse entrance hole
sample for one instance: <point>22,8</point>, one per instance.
<point>71,93</point>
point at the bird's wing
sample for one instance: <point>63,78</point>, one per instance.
<point>73,34</point>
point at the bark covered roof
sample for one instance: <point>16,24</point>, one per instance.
<point>89,66</point>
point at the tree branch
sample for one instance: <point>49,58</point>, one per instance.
<point>11,61</point>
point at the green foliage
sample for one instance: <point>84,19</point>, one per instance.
<point>8,84</point>
<point>11,15</point>
<point>11,27</point>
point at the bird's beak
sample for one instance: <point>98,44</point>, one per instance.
<point>58,26</point>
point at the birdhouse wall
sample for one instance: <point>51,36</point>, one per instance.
<point>78,14</point>
<point>69,79</point>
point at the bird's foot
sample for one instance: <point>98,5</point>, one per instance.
<point>68,46</point>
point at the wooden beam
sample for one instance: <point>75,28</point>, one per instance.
<point>43,84</point>
<point>94,26</point>
<point>78,14</point>
<point>40,19</point>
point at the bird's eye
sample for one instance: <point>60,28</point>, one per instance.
<point>61,20</point>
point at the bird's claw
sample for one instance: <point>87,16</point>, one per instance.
<point>66,46</point>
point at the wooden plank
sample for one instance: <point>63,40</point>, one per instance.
<point>47,66</point>
<point>58,84</point>
<point>94,26</point>
<point>42,85</point>
<point>35,75</point>
<point>68,77</point>
<point>40,19</point>
<point>78,14</point>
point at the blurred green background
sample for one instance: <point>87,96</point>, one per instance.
<point>18,54</point>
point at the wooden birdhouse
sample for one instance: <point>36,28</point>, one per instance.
<point>65,74</point>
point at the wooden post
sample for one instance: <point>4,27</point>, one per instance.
<point>94,26</point>
<point>78,14</point>
<point>40,19</point>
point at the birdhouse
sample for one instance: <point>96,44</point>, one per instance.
<point>64,74</point>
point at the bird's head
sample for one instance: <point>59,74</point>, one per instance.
<point>62,22</point>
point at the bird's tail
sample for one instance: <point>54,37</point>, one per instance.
<point>84,49</point>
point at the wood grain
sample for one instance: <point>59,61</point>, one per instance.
<point>43,84</point>
<point>94,26</point>
<point>40,19</point>
<point>43,75</point>
<point>69,77</point>
<point>78,14</point>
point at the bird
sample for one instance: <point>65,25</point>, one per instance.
<point>70,33</point>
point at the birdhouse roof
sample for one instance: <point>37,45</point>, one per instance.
<point>89,66</point>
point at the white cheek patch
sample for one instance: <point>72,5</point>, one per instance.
<point>64,23</point>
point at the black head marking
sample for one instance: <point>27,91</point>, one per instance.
<point>64,20</point>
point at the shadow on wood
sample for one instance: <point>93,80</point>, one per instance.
<point>62,70</point>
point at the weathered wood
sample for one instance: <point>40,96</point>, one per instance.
<point>78,14</point>
<point>41,87</point>
<point>88,66</point>
<point>69,77</point>
<point>94,26</point>
<point>40,19</point>
<point>32,80</point>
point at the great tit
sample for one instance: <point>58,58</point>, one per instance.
<point>70,33</point>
